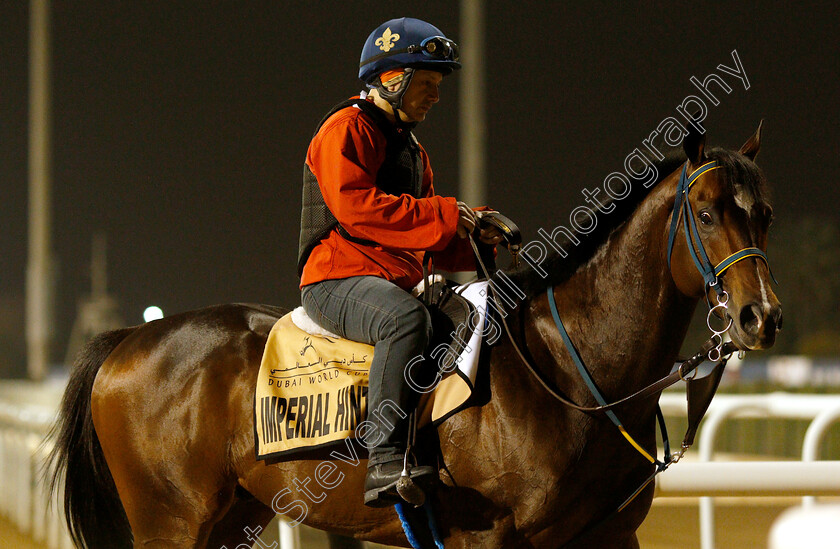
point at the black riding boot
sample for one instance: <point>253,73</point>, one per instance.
<point>391,415</point>
<point>388,463</point>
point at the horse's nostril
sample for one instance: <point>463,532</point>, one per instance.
<point>777,317</point>
<point>750,318</point>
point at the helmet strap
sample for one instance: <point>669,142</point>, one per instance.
<point>395,98</point>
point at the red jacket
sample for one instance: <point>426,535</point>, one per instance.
<point>345,156</point>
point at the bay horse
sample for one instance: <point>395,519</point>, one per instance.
<point>155,436</point>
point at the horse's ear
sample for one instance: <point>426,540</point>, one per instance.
<point>693,145</point>
<point>750,148</point>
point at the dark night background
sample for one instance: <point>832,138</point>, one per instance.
<point>180,129</point>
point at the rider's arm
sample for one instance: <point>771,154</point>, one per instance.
<point>345,157</point>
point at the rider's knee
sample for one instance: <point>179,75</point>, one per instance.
<point>413,319</point>
<point>421,320</point>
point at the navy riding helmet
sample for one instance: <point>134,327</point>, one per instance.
<point>405,43</point>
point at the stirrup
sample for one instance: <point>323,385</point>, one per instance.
<point>409,490</point>
<point>421,479</point>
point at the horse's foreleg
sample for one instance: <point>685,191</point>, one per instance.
<point>163,520</point>
<point>244,521</point>
<point>342,542</point>
<point>503,535</point>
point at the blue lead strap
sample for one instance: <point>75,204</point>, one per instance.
<point>406,526</point>
<point>590,383</point>
<point>409,531</point>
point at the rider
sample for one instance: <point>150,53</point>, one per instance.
<point>369,214</point>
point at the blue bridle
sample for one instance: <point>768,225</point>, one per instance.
<point>711,274</point>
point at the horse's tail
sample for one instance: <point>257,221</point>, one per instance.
<point>92,509</point>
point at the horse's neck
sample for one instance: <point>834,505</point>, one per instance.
<point>627,319</point>
<point>621,309</point>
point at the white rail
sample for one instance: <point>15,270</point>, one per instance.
<point>807,478</point>
<point>751,478</point>
<point>26,500</point>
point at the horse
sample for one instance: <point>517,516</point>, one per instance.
<point>154,441</point>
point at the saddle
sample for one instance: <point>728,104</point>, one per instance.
<point>312,385</point>
<point>450,314</point>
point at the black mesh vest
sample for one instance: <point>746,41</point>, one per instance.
<point>400,173</point>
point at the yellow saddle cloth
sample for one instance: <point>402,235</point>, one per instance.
<point>312,389</point>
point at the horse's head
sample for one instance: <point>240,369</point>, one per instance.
<point>731,214</point>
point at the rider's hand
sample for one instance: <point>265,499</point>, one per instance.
<point>466,220</point>
<point>489,234</point>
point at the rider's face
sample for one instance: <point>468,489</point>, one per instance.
<point>422,93</point>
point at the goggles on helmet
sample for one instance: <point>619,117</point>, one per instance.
<point>438,48</point>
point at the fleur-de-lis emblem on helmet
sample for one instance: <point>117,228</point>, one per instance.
<point>386,41</point>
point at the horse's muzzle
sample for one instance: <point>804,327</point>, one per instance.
<point>755,327</point>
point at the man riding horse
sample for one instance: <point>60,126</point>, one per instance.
<point>370,213</point>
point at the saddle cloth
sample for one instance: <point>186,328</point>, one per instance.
<point>312,385</point>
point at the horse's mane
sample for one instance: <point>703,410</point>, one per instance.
<point>561,268</point>
<point>741,175</point>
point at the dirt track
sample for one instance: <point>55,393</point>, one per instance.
<point>11,538</point>
<point>673,525</point>
<point>669,526</point>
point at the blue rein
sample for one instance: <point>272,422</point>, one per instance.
<point>590,383</point>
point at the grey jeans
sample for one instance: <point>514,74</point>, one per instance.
<point>374,311</point>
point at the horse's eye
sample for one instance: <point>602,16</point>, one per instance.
<point>705,218</point>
